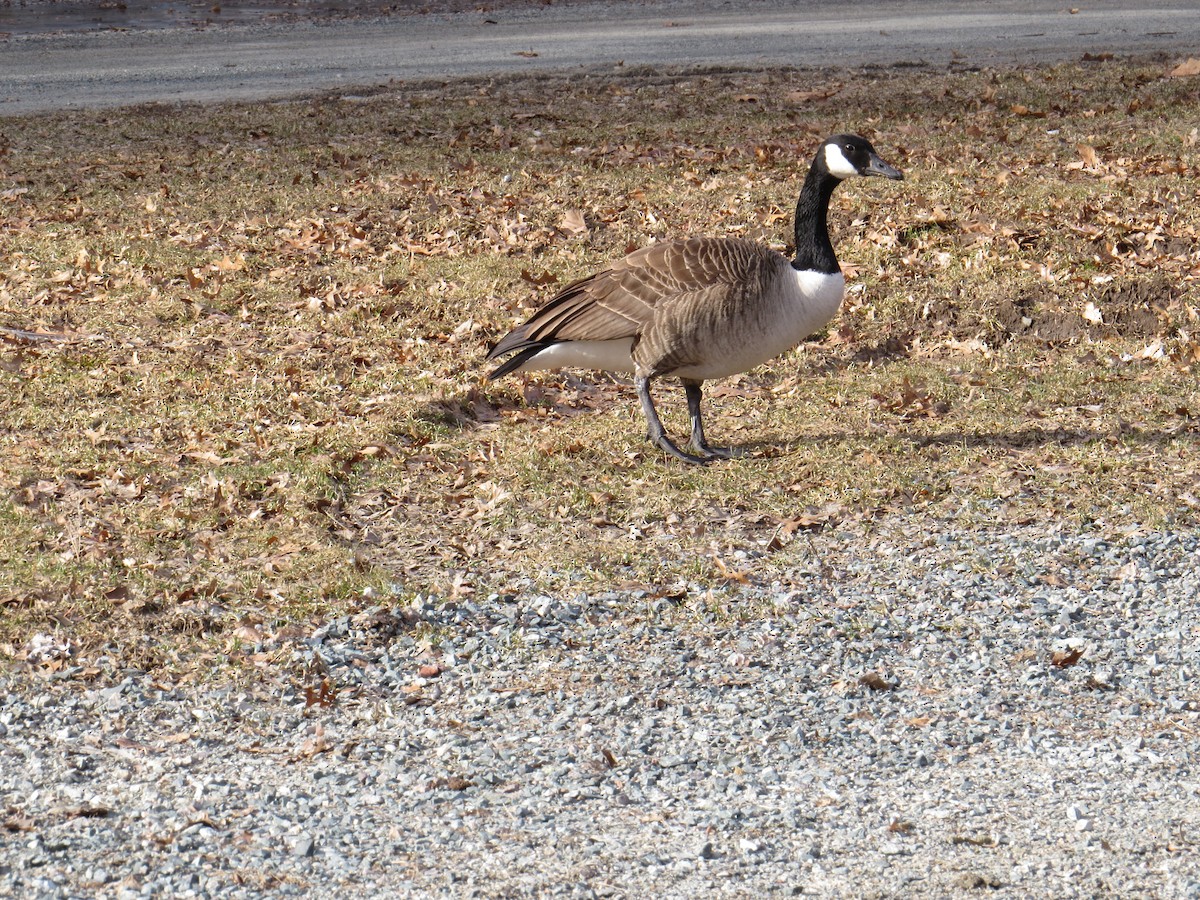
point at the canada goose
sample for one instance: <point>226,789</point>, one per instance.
<point>700,307</point>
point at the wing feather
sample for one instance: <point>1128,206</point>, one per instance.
<point>624,299</point>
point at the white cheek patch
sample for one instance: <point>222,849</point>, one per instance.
<point>837,164</point>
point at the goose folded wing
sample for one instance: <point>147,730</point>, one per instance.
<point>660,272</point>
<point>623,300</point>
<point>577,313</point>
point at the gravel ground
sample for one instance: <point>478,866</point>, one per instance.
<point>913,710</point>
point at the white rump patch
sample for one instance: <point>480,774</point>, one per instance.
<point>836,162</point>
<point>611,356</point>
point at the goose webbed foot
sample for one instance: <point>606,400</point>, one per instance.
<point>709,452</point>
<point>665,443</point>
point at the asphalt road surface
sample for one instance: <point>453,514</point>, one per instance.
<point>258,59</point>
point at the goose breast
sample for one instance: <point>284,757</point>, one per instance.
<point>752,323</point>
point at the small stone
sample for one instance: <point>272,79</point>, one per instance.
<point>708,851</point>
<point>749,845</point>
<point>304,846</point>
<point>974,881</point>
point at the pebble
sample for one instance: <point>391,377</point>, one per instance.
<point>612,744</point>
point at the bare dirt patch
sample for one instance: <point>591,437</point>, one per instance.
<point>1146,308</point>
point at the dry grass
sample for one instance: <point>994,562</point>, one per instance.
<point>241,365</point>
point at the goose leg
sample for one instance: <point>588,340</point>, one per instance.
<point>658,434</point>
<point>692,390</point>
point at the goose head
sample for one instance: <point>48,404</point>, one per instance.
<point>848,156</point>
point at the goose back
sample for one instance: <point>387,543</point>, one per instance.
<point>699,307</point>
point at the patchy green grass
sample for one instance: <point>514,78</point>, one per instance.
<point>241,373</point>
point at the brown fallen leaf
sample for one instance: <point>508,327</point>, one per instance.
<point>118,595</point>
<point>313,746</point>
<point>248,634</point>
<point>912,401</point>
<point>573,222</point>
<point>806,96</point>
<point>876,682</point>
<point>125,743</point>
<point>323,695</point>
<point>1186,69</point>
<point>429,670</point>
<point>88,811</point>
<point>738,575</point>
<point>1089,156</point>
<point>538,280</point>
<point>803,522</point>
<point>1064,659</point>
<point>18,823</point>
<point>453,783</point>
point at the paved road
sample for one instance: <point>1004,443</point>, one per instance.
<point>246,62</point>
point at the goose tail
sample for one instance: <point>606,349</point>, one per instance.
<point>513,363</point>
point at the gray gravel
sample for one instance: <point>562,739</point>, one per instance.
<point>887,719</point>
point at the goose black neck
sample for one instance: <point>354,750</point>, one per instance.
<point>814,250</point>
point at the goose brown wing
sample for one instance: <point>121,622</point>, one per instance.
<point>621,300</point>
